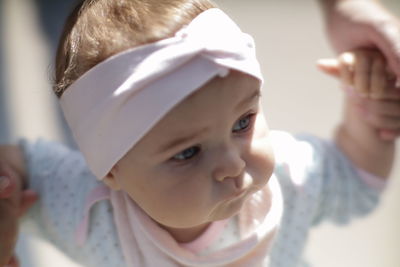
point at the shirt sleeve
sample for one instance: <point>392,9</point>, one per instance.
<point>318,180</point>
<point>63,182</point>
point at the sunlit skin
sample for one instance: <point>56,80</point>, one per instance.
<point>202,160</point>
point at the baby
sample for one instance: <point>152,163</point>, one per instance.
<point>163,98</point>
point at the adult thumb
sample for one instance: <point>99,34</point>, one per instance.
<point>329,66</point>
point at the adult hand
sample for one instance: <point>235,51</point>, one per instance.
<point>355,24</point>
<point>364,76</point>
<point>14,202</point>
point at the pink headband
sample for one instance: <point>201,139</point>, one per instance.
<point>112,106</point>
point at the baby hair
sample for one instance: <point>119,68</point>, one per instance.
<point>99,29</point>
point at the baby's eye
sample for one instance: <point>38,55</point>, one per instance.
<point>243,123</point>
<point>187,153</point>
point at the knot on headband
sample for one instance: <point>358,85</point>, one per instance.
<point>112,106</point>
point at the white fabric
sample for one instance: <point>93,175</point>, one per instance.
<point>113,105</point>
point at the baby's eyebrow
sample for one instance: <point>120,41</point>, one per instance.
<point>255,94</point>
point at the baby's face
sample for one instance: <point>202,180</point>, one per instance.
<point>203,159</point>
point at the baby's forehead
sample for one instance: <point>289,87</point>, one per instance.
<point>218,93</point>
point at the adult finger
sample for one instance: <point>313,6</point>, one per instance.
<point>7,182</point>
<point>387,39</point>
<point>378,77</point>
<point>347,63</point>
<point>28,198</point>
<point>385,108</point>
<point>389,135</point>
<point>383,122</point>
<point>362,71</point>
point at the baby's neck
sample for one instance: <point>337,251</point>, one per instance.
<point>185,235</point>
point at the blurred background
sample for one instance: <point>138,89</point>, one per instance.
<point>297,98</point>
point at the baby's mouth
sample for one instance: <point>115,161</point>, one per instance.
<point>242,194</point>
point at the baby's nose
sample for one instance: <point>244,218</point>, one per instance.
<point>229,164</point>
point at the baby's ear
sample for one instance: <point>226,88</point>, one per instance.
<point>111,181</point>
<point>329,66</point>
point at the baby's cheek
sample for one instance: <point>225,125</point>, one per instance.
<point>261,148</point>
<point>262,160</point>
<point>260,127</point>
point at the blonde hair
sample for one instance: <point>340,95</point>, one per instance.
<point>98,29</point>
